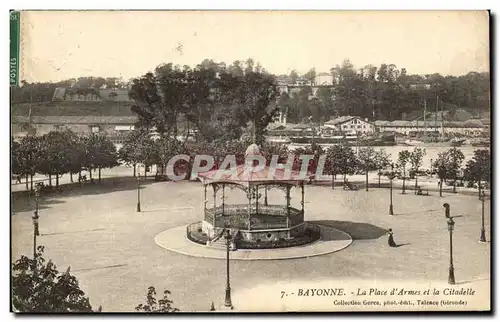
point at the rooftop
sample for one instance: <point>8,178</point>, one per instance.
<point>75,119</point>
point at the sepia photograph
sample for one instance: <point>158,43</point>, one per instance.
<point>204,161</point>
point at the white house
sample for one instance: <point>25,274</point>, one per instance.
<point>323,79</point>
<point>349,125</point>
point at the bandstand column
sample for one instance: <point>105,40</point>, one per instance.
<point>223,199</point>
<point>302,202</point>
<point>205,198</point>
<point>215,203</point>
<point>288,206</point>
<point>249,196</point>
<point>256,199</point>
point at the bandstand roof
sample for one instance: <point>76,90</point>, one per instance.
<point>245,174</point>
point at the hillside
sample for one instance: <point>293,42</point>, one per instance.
<point>74,108</point>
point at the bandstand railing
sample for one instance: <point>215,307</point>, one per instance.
<point>237,216</point>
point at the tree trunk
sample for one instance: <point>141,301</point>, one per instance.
<point>366,176</point>
<point>455,185</point>
<point>404,180</point>
<point>27,186</point>
<point>416,183</point>
<point>333,182</point>
<point>135,164</point>
<point>479,188</point>
<point>345,175</point>
<point>31,184</point>
<point>379,180</point>
<point>50,179</point>
<point>441,188</point>
<point>71,177</point>
<point>99,174</point>
<point>90,174</point>
<point>57,179</point>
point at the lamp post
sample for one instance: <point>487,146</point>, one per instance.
<point>35,219</point>
<point>451,274</point>
<point>227,302</point>
<point>138,192</point>
<point>482,237</point>
<point>391,210</point>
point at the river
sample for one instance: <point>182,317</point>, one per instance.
<point>431,151</point>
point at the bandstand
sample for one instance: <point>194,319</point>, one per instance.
<point>255,221</point>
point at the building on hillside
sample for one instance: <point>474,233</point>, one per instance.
<point>115,127</point>
<point>323,79</point>
<point>282,88</point>
<point>420,86</point>
<point>467,128</point>
<point>91,94</point>
<point>302,82</point>
<point>350,125</point>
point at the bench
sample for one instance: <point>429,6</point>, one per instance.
<point>420,192</point>
<point>349,186</point>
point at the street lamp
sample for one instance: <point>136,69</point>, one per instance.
<point>227,302</point>
<point>482,237</point>
<point>138,192</point>
<point>451,274</point>
<point>35,219</point>
<point>391,177</point>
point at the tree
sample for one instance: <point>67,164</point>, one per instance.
<point>478,168</point>
<point>16,158</point>
<point>166,149</point>
<point>416,159</point>
<point>138,148</point>
<point>255,96</point>
<point>455,160</point>
<point>100,153</point>
<point>383,160</point>
<point>403,158</point>
<point>342,160</point>
<point>163,305</point>
<point>74,152</point>
<point>38,287</point>
<point>77,158</point>
<point>325,97</point>
<point>217,101</point>
<point>441,165</point>
<point>294,76</point>
<point>367,160</point>
<point>31,154</point>
<point>57,154</point>
<point>311,76</point>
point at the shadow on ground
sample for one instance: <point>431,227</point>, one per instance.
<point>356,230</point>
<point>25,201</point>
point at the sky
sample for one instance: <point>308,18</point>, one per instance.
<point>58,45</point>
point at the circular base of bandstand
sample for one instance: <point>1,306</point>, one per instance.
<point>331,240</point>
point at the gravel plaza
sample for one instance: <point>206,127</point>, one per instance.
<point>111,248</point>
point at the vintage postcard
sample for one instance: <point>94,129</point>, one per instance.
<point>250,161</point>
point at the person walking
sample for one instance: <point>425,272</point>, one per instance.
<point>391,241</point>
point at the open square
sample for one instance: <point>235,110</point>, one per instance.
<point>111,248</point>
